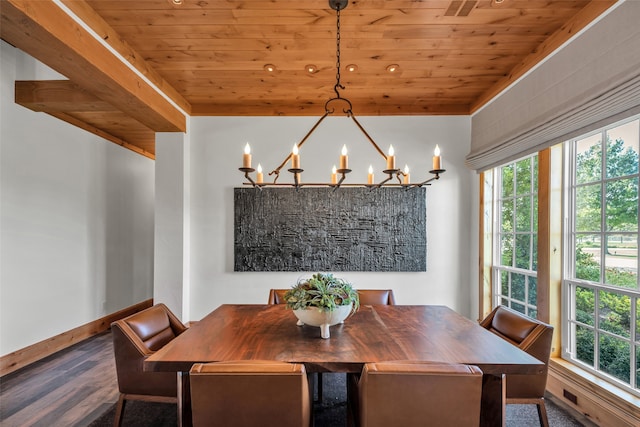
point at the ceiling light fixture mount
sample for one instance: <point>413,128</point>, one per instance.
<point>330,107</point>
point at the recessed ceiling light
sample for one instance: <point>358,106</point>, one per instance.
<point>311,68</point>
<point>178,2</point>
<point>269,67</point>
<point>352,68</point>
<point>393,68</point>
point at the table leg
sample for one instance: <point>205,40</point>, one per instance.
<point>492,409</point>
<point>184,400</point>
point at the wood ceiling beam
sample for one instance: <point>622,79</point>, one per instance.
<point>90,17</point>
<point>46,32</point>
<point>57,95</point>
<point>63,100</point>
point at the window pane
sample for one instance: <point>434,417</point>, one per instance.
<point>523,213</point>
<point>534,185</point>
<point>506,256</point>
<point>588,257</point>
<point>622,149</point>
<point>638,326</point>
<point>589,159</point>
<point>504,282</point>
<point>507,181</point>
<point>506,216</point>
<point>533,291</point>
<point>588,208</point>
<point>615,357</point>
<point>621,261</point>
<point>614,313</point>
<point>534,255</point>
<point>533,313</point>
<point>584,344</point>
<point>534,212</point>
<point>517,286</point>
<point>621,210</point>
<point>638,367</point>
<point>585,305</point>
<point>518,307</point>
<point>523,176</point>
<point>523,251</point>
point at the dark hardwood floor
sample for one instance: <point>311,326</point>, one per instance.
<point>70,388</point>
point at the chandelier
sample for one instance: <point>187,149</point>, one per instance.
<point>339,174</point>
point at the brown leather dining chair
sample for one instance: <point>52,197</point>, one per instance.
<point>408,394</point>
<point>533,337</point>
<point>376,297</point>
<point>134,339</point>
<point>276,296</point>
<point>250,393</point>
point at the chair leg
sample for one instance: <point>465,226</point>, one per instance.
<point>542,413</point>
<point>320,387</point>
<point>117,421</point>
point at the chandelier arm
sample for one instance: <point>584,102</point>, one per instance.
<point>437,176</point>
<point>385,181</point>
<point>368,137</point>
<point>277,170</point>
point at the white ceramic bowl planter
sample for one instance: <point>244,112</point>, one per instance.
<point>323,318</point>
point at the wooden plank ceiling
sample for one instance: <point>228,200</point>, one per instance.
<point>210,56</point>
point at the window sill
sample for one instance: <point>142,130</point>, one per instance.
<point>599,401</point>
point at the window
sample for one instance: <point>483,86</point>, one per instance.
<point>601,252</point>
<point>515,257</point>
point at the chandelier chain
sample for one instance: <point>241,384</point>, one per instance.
<point>338,85</point>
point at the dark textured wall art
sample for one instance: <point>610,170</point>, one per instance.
<point>318,229</point>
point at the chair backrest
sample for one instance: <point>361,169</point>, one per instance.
<point>530,335</point>
<point>418,394</point>
<point>250,393</point>
<point>276,296</point>
<point>376,297</point>
<point>134,339</point>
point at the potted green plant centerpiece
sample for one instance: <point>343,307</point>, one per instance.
<point>322,300</point>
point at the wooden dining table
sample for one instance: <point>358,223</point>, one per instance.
<point>423,333</point>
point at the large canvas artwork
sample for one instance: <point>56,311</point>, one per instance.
<point>318,229</point>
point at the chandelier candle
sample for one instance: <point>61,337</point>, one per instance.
<point>344,159</point>
<point>436,158</point>
<point>391,159</point>
<point>334,175</point>
<point>246,158</point>
<point>259,178</point>
<point>370,177</point>
<point>406,175</point>
<point>295,158</point>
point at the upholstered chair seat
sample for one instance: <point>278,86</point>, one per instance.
<point>134,339</point>
<point>376,297</point>
<point>250,393</point>
<point>416,394</point>
<point>533,337</point>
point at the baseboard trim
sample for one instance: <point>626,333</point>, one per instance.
<point>600,402</point>
<point>25,356</point>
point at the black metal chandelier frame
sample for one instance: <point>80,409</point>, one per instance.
<point>347,109</point>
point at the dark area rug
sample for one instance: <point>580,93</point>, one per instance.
<point>331,412</point>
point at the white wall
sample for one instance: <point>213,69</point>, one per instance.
<point>216,153</point>
<point>76,219</point>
